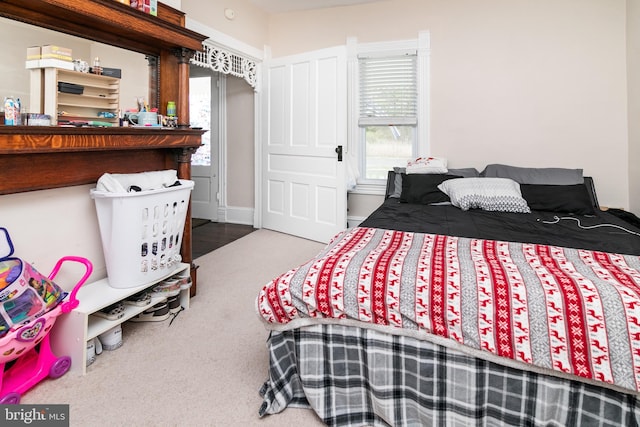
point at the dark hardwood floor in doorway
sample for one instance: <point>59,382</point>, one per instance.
<point>207,236</point>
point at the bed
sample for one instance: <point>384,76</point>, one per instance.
<point>501,298</point>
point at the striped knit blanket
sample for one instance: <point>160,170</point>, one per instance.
<point>565,311</point>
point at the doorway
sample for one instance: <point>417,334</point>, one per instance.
<point>204,111</point>
<point>303,190</point>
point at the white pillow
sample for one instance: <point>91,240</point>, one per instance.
<point>427,165</point>
<point>489,194</point>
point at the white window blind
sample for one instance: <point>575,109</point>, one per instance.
<point>388,90</point>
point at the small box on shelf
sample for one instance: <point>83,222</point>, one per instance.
<point>112,72</point>
<point>33,53</point>
<point>56,52</point>
<point>49,56</point>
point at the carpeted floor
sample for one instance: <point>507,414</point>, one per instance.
<point>204,369</point>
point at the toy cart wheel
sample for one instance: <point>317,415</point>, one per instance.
<point>60,367</point>
<point>12,398</point>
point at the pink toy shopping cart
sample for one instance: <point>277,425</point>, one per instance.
<point>29,306</point>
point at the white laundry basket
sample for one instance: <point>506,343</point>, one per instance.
<point>142,232</point>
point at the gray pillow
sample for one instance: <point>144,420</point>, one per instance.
<point>465,172</point>
<point>547,176</point>
<point>397,190</point>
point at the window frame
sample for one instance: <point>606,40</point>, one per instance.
<point>356,141</point>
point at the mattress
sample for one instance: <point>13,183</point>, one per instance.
<point>351,338</point>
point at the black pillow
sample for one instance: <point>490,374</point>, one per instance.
<point>558,198</point>
<point>423,188</point>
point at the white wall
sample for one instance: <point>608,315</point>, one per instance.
<point>633,80</point>
<point>47,225</point>
<point>250,25</point>
<point>529,83</point>
<point>240,144</point>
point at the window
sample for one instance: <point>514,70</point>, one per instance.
<point>389,109</point>
<point>388,113</point>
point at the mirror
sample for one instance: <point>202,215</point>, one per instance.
<point>16,77</point>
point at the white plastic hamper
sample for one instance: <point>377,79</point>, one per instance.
<point>142,232</point>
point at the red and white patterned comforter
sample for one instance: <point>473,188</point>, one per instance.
<point>545,308</point>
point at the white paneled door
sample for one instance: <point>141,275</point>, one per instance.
<point>305,112</point>
<point>203,112</point>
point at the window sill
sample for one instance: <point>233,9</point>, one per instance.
<point>370,189</point>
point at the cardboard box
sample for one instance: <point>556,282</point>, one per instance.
<point>112,72</point>
<point>75,89</point>
<point>56,52</point>
<point>33,53</point>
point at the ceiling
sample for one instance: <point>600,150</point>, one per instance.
<point>280,6</point>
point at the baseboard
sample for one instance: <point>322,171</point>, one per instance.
<point>236,215</point>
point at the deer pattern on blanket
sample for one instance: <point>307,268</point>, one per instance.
<point>568,310</point>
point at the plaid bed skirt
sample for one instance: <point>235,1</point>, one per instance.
<point>363,377</point>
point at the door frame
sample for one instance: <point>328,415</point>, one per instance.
<point>243,49</point>
<point>258,99</point>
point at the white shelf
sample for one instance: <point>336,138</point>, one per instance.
<point>97,325</point>
<point>98,295</point>
<point>101,93</point>
<point>73,330</point>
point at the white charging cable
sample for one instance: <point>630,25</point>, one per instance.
<point>556,219</point>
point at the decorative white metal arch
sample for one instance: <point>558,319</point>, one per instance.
<point>226,62</point>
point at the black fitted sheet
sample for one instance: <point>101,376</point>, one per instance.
<point>511,227</point>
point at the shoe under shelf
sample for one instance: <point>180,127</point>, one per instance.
<point>98,325</point>
<point>98,295</point>
<point>73,330</point>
